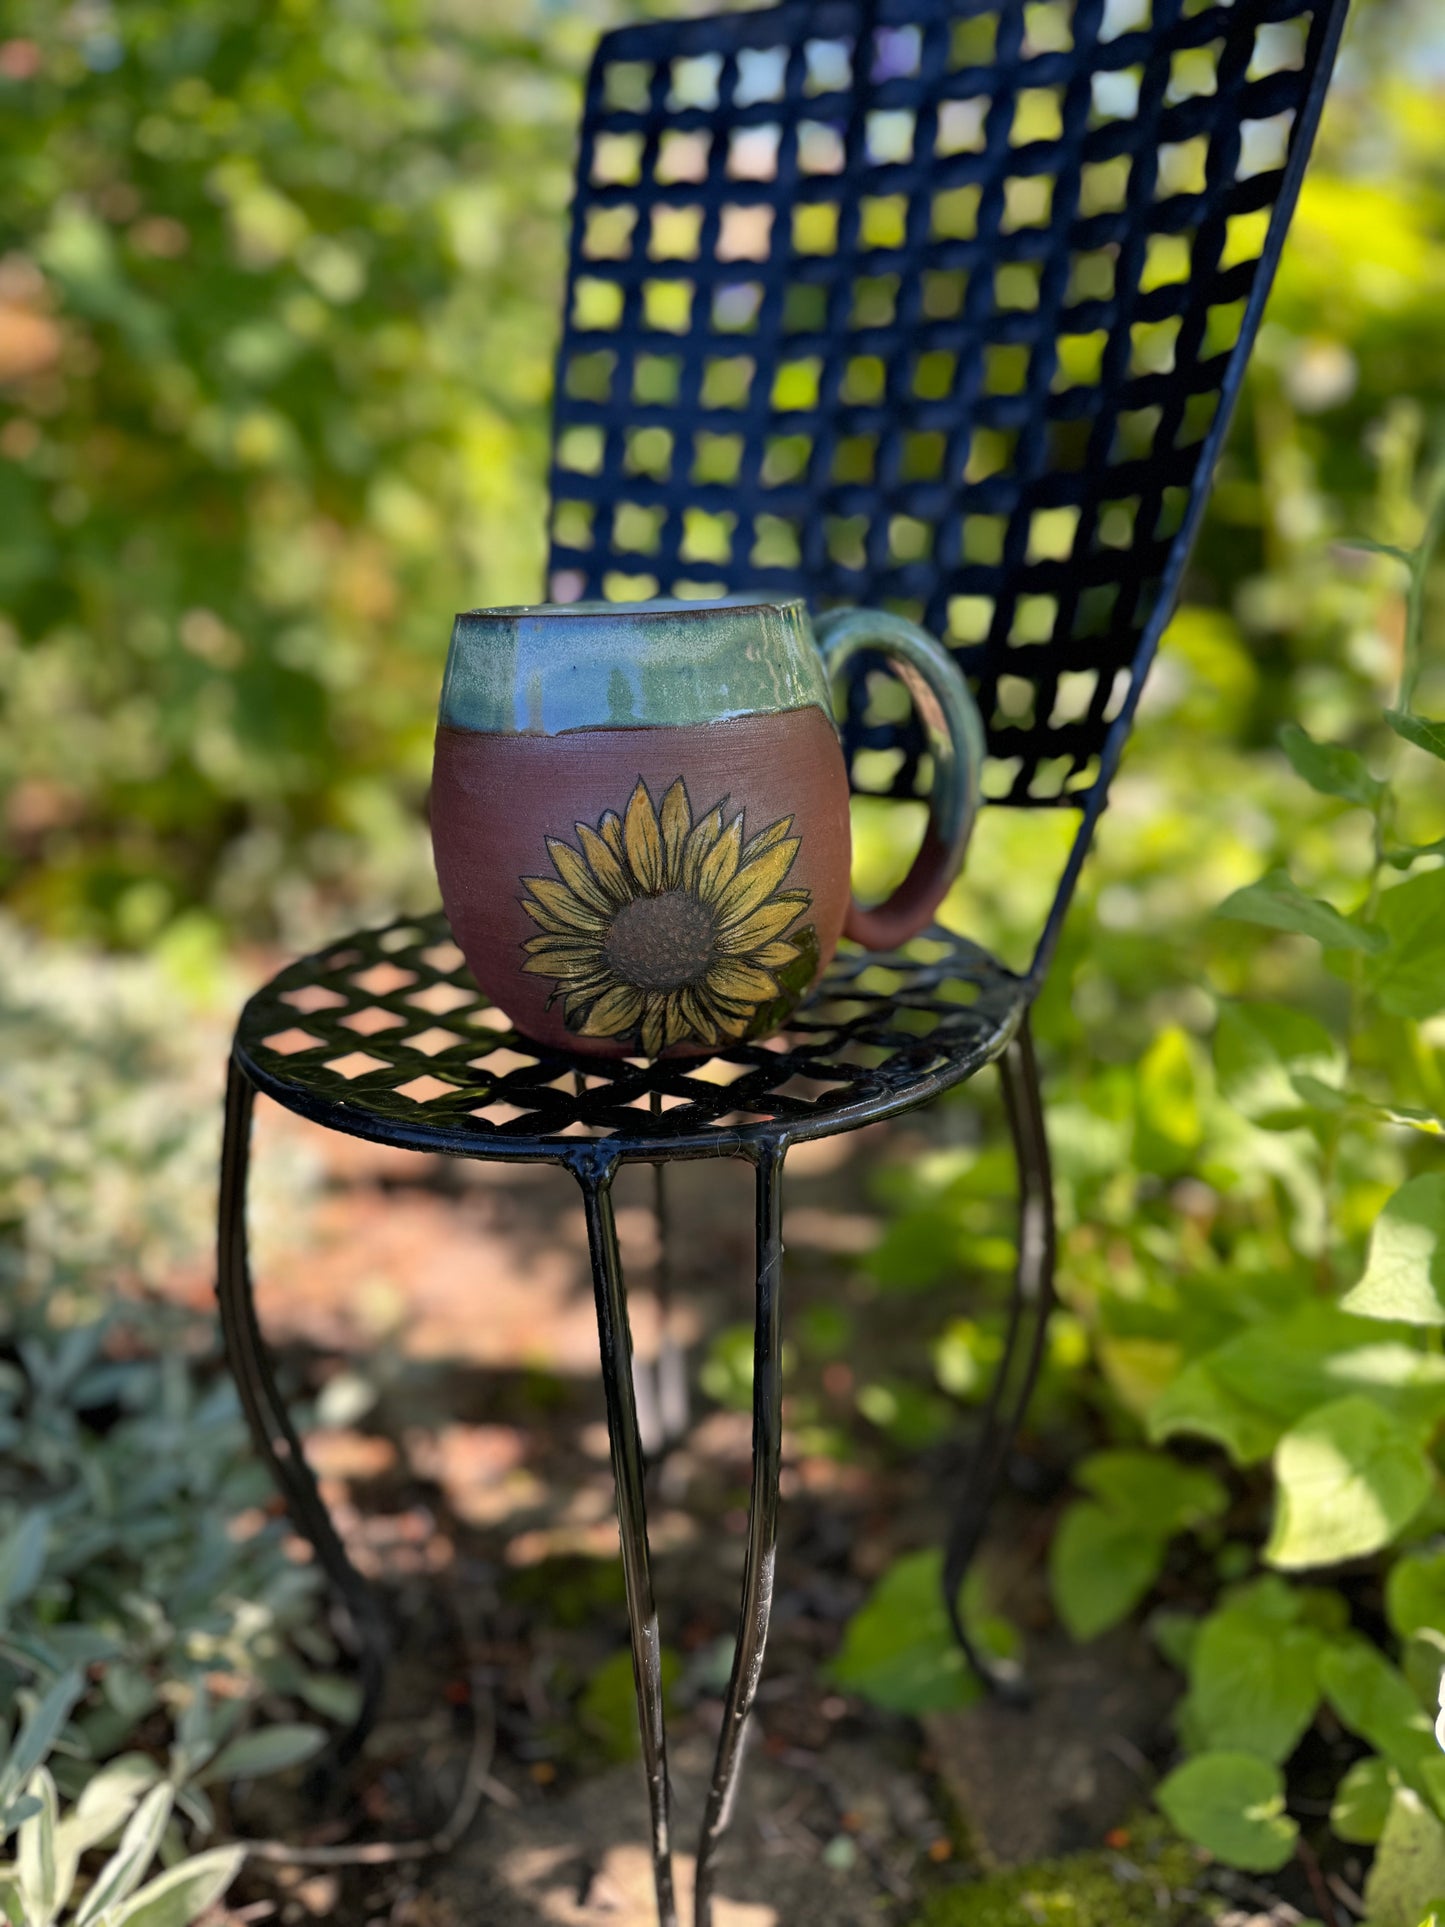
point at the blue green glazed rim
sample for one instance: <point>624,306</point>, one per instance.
<point>550,668</point>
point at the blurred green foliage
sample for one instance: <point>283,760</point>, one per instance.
<point>276,314</point>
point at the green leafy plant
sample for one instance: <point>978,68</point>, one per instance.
<point>130,1802</point>
<point>1253,1234</point>
<point>133,1544</point>
<point>1357,1396</point>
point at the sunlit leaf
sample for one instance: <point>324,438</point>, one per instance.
<point>1408,1872</point>
<point>1349,1477</point>
<point>1405,1272</point>
<point>182,1893</point>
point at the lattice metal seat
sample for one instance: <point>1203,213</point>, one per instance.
<point>939,305</point>
<point>386,1036</point>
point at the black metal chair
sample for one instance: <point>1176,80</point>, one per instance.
<point>938,305</point>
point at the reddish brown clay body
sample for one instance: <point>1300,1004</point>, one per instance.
<point>607,909</point>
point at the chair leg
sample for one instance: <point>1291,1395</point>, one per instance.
<point>615,1340</point>
<point>674,1412</point>
<point>760,1562</point>
<point>1029,1308</point>
<point>274,1435</point>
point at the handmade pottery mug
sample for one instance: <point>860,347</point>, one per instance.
<point>640,812</point>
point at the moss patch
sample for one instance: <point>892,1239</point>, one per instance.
<point>1152,1882</point>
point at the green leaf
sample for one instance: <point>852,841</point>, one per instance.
<point>1405,1273</point>
<point>1349,1477</point>
<point>1232,1804</point>
<point>1420,730</point>
<point>1373,1698</point>
<point>1248,1391</point>
<point>1362,1802</point>
<point>1259,1049</point>
<point>105,1804</point>
<point>126,1868</point>
<point>899,1650</point>
<point>1415,1593</point>
<point>181,1895</point>
<point>1101,1564</point>
<point>1408,978</point>
<point>1278,902</point>
<point>271,1749</point>
<point>608,1707</point>
<point>1409,854</point>
<point>35,1857</point>
<point>1157,1492</point>
<point>1199,1404</point>
<point>38,1735</point>
<point>22,1558</point>
<point>1253,1686</point>
<point>1330,768</point>
<point>1409,1866</point>
<point>1367,547</point>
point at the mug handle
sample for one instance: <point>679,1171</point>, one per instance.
<point>955,738</point>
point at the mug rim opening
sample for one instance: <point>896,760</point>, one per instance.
<point>640,611</point>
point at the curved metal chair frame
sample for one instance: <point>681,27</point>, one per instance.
<point>941,305</point>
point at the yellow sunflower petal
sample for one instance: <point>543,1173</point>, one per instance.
<point>732,1023</point>
<point>765,839</point>
<point>605,866</point>
<point>643,840</point>
<point>610,830</point>
<point>765,923</point>
<point>563,959</point>
<point>559,904</point>
<point>700,1016</point>
<point>674,821</point>
<point>700,839</point>
<point>577,1003</point>
<point>776,956</point>
<point>739,982</point>
<point>677,1029</point>
<point>720,865</point>
<point>756,882</point>
<point>653,1025</point>
<point>614,1013</point>
<point>578,877</point>
<point>560,971</point>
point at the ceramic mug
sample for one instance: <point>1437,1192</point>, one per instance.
<point>640,812</point>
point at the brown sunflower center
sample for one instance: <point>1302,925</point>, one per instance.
<point>661,943</point>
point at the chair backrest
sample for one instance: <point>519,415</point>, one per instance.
<point>938,305</point>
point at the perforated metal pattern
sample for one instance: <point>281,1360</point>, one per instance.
<point>386,1035</point>
<point>928,304</point>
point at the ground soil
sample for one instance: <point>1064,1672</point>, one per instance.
<point>438,1319</point>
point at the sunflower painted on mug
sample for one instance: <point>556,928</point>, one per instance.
<point>669,931</point>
